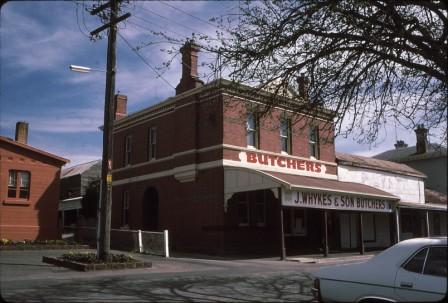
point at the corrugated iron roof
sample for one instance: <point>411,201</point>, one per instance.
<point>359,161</point>
<point>78,169</point>
<point>435,197</point>
<point>405,154</point>
<point>296,181</point>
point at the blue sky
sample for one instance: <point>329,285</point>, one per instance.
<point>40,39</point>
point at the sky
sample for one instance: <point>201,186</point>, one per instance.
<point>64,109</point>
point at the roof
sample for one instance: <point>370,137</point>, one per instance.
<point>33,149</point>
<point>78,169</point>
<point>435,197</point>
<point>372,163</point>
<point>405,154</point>
<point>237,89</point>
<point>301,182</point>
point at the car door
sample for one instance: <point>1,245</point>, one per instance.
<point>423,277</point>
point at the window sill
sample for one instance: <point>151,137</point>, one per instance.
<point>16,202</point>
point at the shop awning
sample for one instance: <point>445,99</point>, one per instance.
<point>310,192</point>
<point>241,179</point>
<point>70,204</point>
<point>423,206</point>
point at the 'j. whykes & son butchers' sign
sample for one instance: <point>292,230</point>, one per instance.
<point>334,201</point>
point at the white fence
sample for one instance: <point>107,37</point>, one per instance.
<point>149,242</point>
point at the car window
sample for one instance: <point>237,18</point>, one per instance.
<point>416,263</point>
<point>436,262</point>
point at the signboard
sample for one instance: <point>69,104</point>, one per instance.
<point>281,163</point>
<point>326,200</point>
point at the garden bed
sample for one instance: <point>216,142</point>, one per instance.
<point>39,245</point>
<point>88,262</point>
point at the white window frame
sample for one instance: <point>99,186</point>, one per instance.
<point>127,150</point>
<point>152,143</point>
<point>314,147</point>
<point>252,132</point>
<point>285,137</point>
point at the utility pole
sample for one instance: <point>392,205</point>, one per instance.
<point>105,205</point>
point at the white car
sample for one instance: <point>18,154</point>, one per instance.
<point>414,270</point>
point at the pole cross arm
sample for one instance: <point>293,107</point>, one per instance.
<point>107,25</point>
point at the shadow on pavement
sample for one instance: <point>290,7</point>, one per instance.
<point>253,288</point>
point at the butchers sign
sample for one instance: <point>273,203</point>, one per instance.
<point>281,163</point>
<point>327,200</point>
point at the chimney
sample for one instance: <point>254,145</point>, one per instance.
<point>400,144</point>
<point>121,102</point>
<point>303,86</point>
<point>22,132</point>
<point>422,139</point>
<point>190,77</point>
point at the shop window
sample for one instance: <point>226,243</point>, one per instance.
<point>127,149</point>
<point>243,213</point>
<point>252,129</point>
<point>152,143</point>
<point>369,227</point>
<point>294,221</point>
<point>125,208</point>
<point>314,142</point>
<point>260,209</point>
<point>19,184</point>
<point>285,135</point>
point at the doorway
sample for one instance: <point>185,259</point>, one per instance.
<point>150,210</point>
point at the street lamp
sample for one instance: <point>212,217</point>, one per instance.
<point>84,69</point>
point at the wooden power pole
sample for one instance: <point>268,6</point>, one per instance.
<point>105,205</point>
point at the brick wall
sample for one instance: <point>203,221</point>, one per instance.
<point>36,217</point>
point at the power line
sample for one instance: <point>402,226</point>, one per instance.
<point>186,13</point>
<point>144,60</point>
<point>172,21</point>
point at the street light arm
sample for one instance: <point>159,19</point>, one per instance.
<point>84,69</point>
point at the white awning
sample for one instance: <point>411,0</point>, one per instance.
<point>70,204</point>
<point>425,206</point>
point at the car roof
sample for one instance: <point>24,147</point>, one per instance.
<point>404,249</point>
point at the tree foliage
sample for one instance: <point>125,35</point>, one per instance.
<point>370,61</point>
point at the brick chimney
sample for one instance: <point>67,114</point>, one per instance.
<point>190,78</point>
<point>422,139</point>
<point>400,144</point>
<point>22,132</point>
<point>121,102</point>
<point>303,82</point>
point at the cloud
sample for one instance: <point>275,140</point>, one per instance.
<point>58,120</point>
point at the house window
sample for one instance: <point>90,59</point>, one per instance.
<point>252,130</point>
<point>314,142</point>
<point>285,136</point>
<point>19,184</point>
<point>127,150</point>
<point>152,141</point>
<point>125,208</point>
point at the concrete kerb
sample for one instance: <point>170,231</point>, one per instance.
<point>331,259</point>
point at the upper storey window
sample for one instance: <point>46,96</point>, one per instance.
<point>314,142</point>
<point>19,184</point>
<point>152,143</point>
<point>127,149</point>
<point>252,130</point>
<point>285,135</point>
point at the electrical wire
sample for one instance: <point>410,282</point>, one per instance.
<point>186,13</point>
<point>144,60</point>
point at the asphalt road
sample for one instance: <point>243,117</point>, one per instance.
<point>24,278</point>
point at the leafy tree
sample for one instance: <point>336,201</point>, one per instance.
<point>370,61</point>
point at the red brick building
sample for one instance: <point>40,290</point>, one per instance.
<point>29,190</point>
<point>223,177</point>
